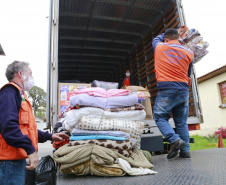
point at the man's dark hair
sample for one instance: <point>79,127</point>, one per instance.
<point>171,34</point>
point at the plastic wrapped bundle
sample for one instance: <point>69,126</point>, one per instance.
<point>191,38</point>
<point>105,85</point>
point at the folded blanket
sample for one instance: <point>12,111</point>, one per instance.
<point>90,168</point>
<point>106,103</point>
<point>70,156</point>
<point>78,138</point>
<point>72,117</point>
<point>122,147</point>
<point>137,106</point>
<point>100,92</point>
<point>108,170</point>
<point>79,170</point>
<point>192,39</point>
<point>58,144</point>
<point>78,132</point>
<point>134,128</point>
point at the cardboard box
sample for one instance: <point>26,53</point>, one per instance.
<point>146,102</point>
<point>138,89</point>
<point>65,90</point>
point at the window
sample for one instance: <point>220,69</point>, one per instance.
<point>223,92</point>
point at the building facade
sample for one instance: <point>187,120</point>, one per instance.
<point>212,91</point>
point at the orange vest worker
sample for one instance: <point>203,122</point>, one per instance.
<point>172,61</point>
<point>27,126</point>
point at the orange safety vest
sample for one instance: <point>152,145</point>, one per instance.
<point>27,126</point>
<point>172,61</point>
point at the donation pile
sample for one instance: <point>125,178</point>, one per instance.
<point>191,38</point>
<point>106,129</point>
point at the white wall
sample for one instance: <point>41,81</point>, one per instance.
<point>214,117</point>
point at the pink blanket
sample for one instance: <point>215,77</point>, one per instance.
<point>100,92</point>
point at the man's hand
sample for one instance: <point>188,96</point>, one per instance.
<point>33,161</point>
<point>59,136</point>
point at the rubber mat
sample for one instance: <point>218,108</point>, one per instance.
<point>205,167</point>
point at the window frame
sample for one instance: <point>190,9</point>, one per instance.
<point>220,89</point>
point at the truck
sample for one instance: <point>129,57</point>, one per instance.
<point>99,39</point>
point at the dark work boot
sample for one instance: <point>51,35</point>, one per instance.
<point>185,154</point>
<point>179,144</point>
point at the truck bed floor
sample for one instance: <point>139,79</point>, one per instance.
<point>205,167</point>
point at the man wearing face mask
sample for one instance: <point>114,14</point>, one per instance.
<point>128,80</point>
<point>19,136</point>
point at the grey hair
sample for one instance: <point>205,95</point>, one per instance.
<point>14,68</point>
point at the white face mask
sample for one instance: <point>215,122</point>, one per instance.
<point>127,74</point>
<point>29,83</point>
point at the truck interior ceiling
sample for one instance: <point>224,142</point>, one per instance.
<point>98,40</point>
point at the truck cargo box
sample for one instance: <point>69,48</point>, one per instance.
<point>99,39</point>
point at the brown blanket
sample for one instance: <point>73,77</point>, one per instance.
<point>71,156</point>
<point>122,147</point>
<point>137,106</point>
<point>90,167</point>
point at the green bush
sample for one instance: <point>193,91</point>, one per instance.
<point>221,131</point>
<point>41,114</point>
<point>211,139</point>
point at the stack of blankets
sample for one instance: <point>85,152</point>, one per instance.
<point>191,38</point>
<point>106,129</point>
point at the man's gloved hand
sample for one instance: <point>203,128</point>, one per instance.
<point>59,136</point>
<point>33,161</point>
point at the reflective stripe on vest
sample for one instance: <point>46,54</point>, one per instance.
<point>27,126</point>
<point>172,61</point>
